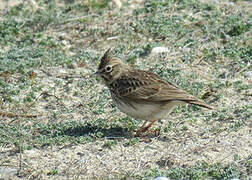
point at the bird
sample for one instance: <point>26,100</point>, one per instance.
<point>141,94</point>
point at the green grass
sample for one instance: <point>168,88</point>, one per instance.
<point>39,135</point>
<point>207,171</point>
<point>48,56</point>
<point>202,170</point>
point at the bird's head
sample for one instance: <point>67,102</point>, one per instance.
<point>110,67</point>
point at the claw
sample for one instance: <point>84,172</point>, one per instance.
<point>139,132</point>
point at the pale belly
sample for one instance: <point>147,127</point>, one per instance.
<point>148,111</point>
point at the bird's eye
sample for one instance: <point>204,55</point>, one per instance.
<point>108,68</point>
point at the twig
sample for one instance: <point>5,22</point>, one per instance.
<point>12,115</point>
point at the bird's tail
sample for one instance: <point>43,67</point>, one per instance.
<point>200,103</point>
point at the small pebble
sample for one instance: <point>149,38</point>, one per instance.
<point>160,49</point>
<point>247,74</point>
<point>161,178</point>
<point>7,171</point>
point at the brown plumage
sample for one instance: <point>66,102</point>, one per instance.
<point>142,94</point>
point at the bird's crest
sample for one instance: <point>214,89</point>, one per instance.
<point>104,59</point>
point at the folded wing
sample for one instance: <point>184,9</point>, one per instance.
<point>147,87</point>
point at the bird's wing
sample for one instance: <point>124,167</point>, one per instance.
<point>144,86</point>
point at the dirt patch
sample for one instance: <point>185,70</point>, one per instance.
<point>78,132</point>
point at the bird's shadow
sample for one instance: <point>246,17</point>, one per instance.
<point>95,131</point>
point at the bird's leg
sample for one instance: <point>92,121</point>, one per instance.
<point>149,125</point>
<point>143,129</point>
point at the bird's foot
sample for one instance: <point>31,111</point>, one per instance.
<point>146,132</point>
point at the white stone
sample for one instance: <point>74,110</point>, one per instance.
<point>7,171</point>
<point>161,178</point>
<point>160,49</point>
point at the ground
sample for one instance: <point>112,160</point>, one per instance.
<point>58,120</point>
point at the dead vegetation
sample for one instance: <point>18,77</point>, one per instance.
<point>49,51</point>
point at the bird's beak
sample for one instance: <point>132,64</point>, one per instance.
<point>96,73</point>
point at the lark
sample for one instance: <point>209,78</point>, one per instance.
<point>142,94</point>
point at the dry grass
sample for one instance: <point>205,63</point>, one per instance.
<point>50,50</point>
